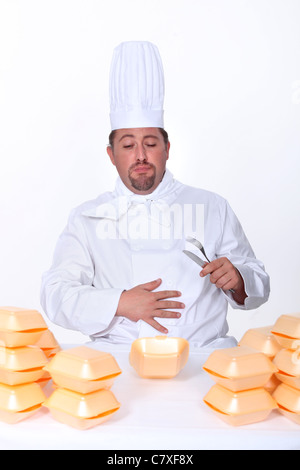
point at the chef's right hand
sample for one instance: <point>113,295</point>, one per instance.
<point>141,303</point>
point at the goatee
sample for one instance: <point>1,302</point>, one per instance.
<point>142,182</point>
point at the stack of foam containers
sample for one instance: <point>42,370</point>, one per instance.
<point>262,340</point>
<point>287,361</point>
<point>50,347</point>
<point>82,377</point>
<point>21,363</point>
<point>239,396</point>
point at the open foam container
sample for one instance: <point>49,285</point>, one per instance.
<point>159,357</point>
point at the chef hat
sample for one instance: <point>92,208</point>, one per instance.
<point>136,86</point>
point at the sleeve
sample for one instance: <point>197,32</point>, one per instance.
<point>68,296</point>
<point>234,245</point>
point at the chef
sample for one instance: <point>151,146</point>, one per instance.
<point>119,271</point>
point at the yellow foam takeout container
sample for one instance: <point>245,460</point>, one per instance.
<point>20,327</point>
<point>287,331</point>
<point>159,357</point>
<point>83,369</point>
<point>82,411</point>
<point>48,344</point>
<point>21,365</point>
<point>14,339</point>
<point>262,340</point>
<point>240,408</point>
<point>19,402</point>
<point>239,368</point>
<point>288,400</point>
<point>44,379</point>
<point>287,362</point>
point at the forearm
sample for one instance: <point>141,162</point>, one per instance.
<point>256,286</point>
<point>238,292</point>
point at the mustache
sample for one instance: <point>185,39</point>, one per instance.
<point>143,163</point>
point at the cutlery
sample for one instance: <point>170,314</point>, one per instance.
<point>196,258</point>
<point>198,245</point>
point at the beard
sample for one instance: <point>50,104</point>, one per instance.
<point>142,182</point>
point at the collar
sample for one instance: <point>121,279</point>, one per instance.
<point>123,199</point>
<point>162,190</point>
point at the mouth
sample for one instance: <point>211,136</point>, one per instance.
<point>142,168</point>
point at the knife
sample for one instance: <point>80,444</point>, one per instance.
<point>200,262</point>
<point>195,258</point>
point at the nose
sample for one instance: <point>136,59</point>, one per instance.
<point>141,153</point>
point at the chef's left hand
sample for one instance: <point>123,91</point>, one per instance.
<point>225,276</point>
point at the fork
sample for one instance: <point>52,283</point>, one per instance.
<point>198,245</point>
<point>201,248</point>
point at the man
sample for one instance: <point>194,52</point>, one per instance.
<point>119,271</point>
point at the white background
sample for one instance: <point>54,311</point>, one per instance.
<point>232,110</point>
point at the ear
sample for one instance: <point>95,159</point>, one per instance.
<point>168,150</point>
<point>111,154</point>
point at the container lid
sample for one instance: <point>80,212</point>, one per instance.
<point>238,403</point>
<point>20,397</point>
<point>288,325</point>
<point>238,362</point>
<point>262,340</point>
<point>20,319</point>
<point>80,405</point>
<point>287,397</point>
<point>288,361</point>
<point>84,363</point>
<point>161,345</point>
<point>22,358</point>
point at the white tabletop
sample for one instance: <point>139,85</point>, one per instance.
<point>155,414</point>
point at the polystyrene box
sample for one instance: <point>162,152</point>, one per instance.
<point>21,365</point>
<point>20,326</point>
<point>83,369</point>
<point>239,368</point>
<point>262,340</point>
<point>287,362</point>
<point>159,357</point>
<point>287,331</point>
<point>288,400</point>
<point>20,402</point>
<point>48,343</point>
<point>82,411</point>
<point>240,408</point>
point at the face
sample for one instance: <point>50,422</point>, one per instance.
<point>140,156</point>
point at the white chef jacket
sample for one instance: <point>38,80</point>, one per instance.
<point>122,239</point>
